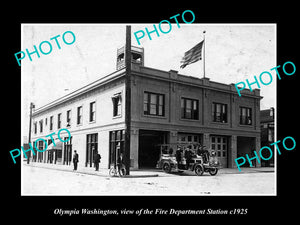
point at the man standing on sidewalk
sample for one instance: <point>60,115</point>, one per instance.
<point>97,161</point>
<point>75,160</point>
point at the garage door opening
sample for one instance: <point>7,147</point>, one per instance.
<point>149,147</point>
<point>246,145</point>
<point>220,145</point>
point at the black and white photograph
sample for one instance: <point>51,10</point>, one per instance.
<point>144,109</point>
<point>170,113</point>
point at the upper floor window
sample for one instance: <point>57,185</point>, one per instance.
<point>41,126</point>
<point>189,109</point>
<point>92,111</point>
<point>219,112</point>
<point>154,104</point>
<point>245,116</point>
<point>117,104</point>
<point>35,127</point>
<point>79,115</point>
<point>51,122</point>
<point>68,118</point>
<point>59,121</point>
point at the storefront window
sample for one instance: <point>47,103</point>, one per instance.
<point>116,139</point>
<point>67,151</point>
<point>91,148</point>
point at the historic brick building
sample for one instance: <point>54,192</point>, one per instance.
<point>166,107</point>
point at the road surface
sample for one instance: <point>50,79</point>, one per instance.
<point>43,181</point>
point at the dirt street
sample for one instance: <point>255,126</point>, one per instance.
<point>41,181</point>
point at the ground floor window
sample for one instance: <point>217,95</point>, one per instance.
<point>50,156</point>
<point>220,145</point>
<point>34,156</point>
<point>91,148</point>
<point>188,139</point>
<point>116,145</point>
<point>40,154</point>
<point>49,153</point>
<point>67,151</point>
<point>58,155</point>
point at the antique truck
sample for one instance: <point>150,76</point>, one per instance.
<point>196,159</point>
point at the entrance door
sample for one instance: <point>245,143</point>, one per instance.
<point>220,145</point>
<point>91,148</point>
<point>149,149</point>
<point>117,141</point>
<point>245,145</point>
<point>67,151</point>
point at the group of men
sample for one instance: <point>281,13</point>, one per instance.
<point>188,154</point>
<point>97,159</point>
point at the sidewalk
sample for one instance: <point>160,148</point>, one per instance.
<point>247,170</point>
<point>141,172</point>
<point>91,170</point>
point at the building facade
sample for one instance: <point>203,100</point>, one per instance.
<point>166,108</point>
<point>267,132</point>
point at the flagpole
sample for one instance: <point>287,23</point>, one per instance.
<point>204,54</point>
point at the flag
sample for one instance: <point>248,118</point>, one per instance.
<point>192,55</point>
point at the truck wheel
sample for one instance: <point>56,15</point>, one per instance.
<point>166,167</point>
<point>199,170</point>
<point>213,171</point>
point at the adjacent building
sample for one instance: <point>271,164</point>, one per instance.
<point>166,108</point>
<point>267,132</point>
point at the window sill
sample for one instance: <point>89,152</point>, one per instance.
<point>245,125</point>
<point>154,116</point>
<point>219,123</point>
<point>191,120</point>
<point>117,117</point>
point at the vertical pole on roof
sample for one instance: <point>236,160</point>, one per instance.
<point>127,98</point>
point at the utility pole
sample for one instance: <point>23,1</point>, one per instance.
<point>204,53</point>
<point>127,98</point>
<point>29,135</point>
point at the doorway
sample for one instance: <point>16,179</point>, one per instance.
<point>220,145</point>
<point>246,145</point>
<point>149,149</point>
<point>91,148</point>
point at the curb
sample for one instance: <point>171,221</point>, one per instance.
<point>133,175</point>
<point>93,173</point>
<point>251,170</point>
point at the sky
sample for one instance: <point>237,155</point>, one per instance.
<point>233,53</point>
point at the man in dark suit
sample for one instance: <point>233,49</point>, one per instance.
<point>178,155</point>
<point>202,151</point>
<point>188,156</point>
<point>97,161</point>
<point>75,160</point>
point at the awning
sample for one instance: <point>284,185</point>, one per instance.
<point>58,145</point>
